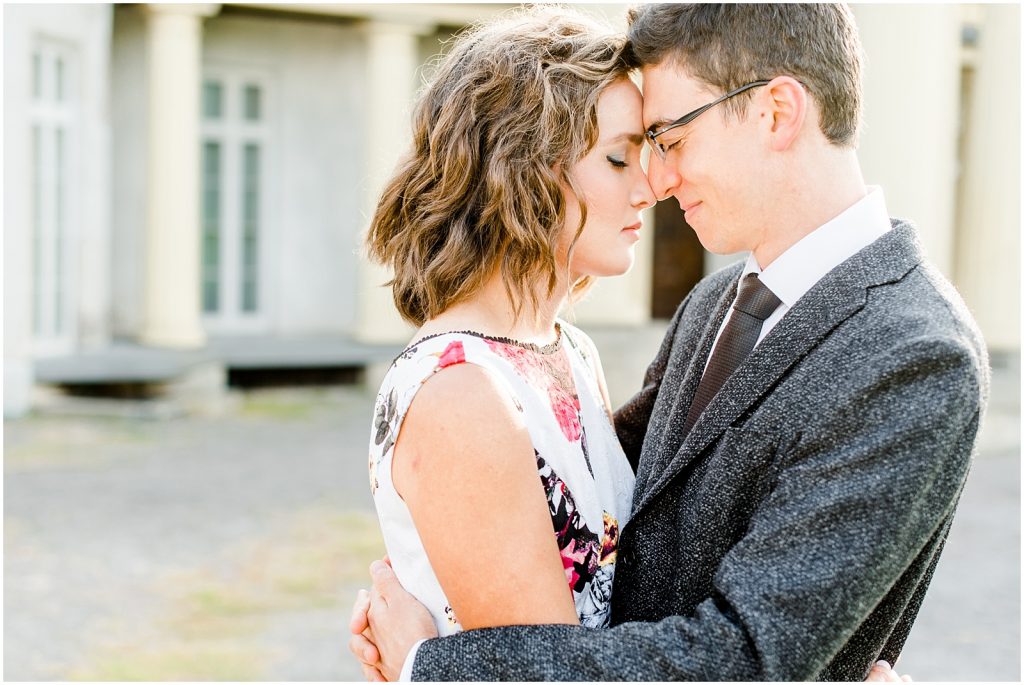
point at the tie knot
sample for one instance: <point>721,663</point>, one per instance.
<point>755,298</point>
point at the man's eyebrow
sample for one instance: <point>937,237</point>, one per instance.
<point>659,123</point>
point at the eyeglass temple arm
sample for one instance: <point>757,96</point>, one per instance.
<point>683,121</point>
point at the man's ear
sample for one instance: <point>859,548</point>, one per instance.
<point>786,105</point>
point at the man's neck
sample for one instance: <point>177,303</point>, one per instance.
<point>809,201</point>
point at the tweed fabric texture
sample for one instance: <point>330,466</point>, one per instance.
<point>792,534</point>
<point>754,303</point>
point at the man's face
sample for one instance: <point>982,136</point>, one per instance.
<point>712,163</point>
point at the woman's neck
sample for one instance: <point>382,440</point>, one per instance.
<point>490,312</point>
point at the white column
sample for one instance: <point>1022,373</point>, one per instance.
<point>94,202</point>
<point>171,302</point>
<point>17,210</point>
<point>623,300</point>
<point>911,112</point>
<point>392,58</point>
<point>988,245</point>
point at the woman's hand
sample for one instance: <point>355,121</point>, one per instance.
<point>386,623</point>
<point>882,672</point>
<point>361,643</point>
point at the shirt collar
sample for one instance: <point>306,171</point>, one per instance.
<point>796,270</point>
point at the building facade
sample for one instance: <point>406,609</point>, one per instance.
<point>187,185</point>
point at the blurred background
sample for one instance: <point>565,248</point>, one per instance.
<point>193,341</point>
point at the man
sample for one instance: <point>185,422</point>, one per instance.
<point>803,436</point>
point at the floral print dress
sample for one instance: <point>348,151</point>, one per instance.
<point>581,466</point>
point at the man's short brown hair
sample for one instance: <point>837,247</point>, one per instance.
<point>728,45</point>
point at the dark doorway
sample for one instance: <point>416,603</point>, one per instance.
<point>678,259</point>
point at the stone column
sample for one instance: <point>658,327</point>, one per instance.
<point>171,302</point>
<point>623,300</point>
<point>392,58</point>
<point>17,210</point>
<point>988,241</point>
<point>911,113</point>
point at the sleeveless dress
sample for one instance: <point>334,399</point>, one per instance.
<point>581,466</point>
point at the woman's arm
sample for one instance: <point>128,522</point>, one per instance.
<point>465,466</point>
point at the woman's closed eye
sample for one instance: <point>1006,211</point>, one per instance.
<point>617,162</point>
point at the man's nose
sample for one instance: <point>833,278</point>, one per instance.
<point>663,176</point>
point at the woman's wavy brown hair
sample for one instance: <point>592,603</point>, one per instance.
<point>509,111</point>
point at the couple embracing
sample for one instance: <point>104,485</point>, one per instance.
<point>772,504</point>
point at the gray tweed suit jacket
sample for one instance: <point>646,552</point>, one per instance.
<point>793,533</point>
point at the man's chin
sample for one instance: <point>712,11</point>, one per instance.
<point>708,242</point>
<point>715,243</point>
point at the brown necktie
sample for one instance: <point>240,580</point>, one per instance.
<point>754,303</point>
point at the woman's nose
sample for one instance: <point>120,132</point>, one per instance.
<point>643,195</point>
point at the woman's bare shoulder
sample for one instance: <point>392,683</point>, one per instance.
<point>465,399</point>
<point>461,420</point>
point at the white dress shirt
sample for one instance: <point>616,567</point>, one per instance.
<point>794,272</point>
<point>406,676</point>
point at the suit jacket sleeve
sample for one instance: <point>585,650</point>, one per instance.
<point>632,418</point>
<point>857,497</point>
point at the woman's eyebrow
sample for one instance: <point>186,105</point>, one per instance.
<point>635,138</point>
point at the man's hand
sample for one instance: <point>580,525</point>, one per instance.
<point>386,622</point>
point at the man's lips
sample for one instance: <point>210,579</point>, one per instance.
<point>688,207</point>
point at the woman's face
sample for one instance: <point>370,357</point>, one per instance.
<point>614,188</point>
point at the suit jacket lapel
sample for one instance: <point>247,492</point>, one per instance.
<point>658,449</point>
<point>835,298</point>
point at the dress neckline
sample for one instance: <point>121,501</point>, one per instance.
<point>550,348</point>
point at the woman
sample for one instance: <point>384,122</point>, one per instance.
<point>494,426</point>
<point>525,183</point>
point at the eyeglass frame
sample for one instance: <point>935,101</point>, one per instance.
<point>652,136</point>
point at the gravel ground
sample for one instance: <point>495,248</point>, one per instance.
<point>104,517</point>
<point>230,548</point>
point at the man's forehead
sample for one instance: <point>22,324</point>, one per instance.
<point>669,93</point>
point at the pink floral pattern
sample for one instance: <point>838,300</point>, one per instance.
<point>552,374</point>
<point>453,354</point>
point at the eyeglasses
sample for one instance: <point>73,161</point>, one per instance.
<point>652,137</point>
